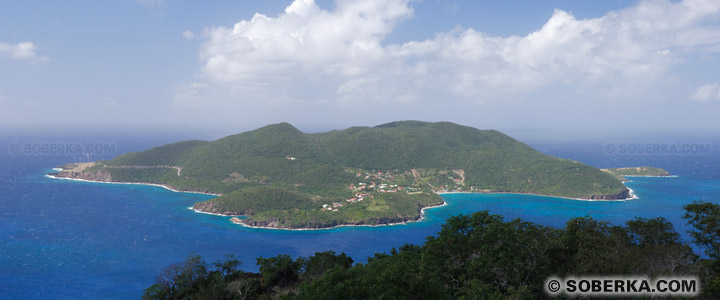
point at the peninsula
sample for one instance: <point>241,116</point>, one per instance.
<point>622,173</point>
<point>279,177</point>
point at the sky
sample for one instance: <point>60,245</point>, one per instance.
<point>527,68</point>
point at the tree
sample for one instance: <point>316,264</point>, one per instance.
<point>228,267</point>
<point>280,270</point>
<point>315,266</point>
<point>705,219</point>
<point>177,277</point>
<point>481,256</point>
<point>595,247</point>
<point>648,232</point>
<point>659,250</point>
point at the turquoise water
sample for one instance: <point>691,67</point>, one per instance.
<point>64,239</point>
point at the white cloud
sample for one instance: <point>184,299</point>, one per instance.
<point>304,39</point>
<point>187,34</point>
<point>622,55</point>
<point>24,50</point>
<point>707,92</point>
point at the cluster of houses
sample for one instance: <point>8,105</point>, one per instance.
<point>382,188</point>
<point>457,188</point>
<point>333,207</point>
<point>377,176</point>
<point>359,197</point>
<point>362,190</point>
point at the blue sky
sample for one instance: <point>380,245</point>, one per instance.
<point>524,67</point>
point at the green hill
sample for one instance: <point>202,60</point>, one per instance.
<point>278,175</point>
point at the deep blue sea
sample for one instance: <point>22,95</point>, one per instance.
<point>63,239</point>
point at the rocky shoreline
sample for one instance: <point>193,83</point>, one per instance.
<point>97,176</point>
<point>626,194</point>
<point>275,223</point>
<point>77,172</point>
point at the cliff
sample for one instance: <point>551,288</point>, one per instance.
<point>81,171</point>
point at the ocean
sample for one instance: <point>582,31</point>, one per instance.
<point>62,239</point>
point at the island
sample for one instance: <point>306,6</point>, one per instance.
<point>279,177</point>
<point>621,173</point>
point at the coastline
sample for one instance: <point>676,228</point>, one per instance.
<point>137,183</point>
<point>213,214</point>
<point>632,194</point>
<point>422,217</point>
<point>422,210</point>
<point>652,176</point>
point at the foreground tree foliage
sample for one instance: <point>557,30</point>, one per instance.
<point>705,219</point>
<point>478,256</point>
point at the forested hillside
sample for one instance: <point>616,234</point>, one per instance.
<point>350,166</point>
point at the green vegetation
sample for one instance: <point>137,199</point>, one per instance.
<point>480,256</point>
<point>282,177</point>
<point>384,209</point>
<point>251,200</point>
<point>292,209</point>
<point>158,175</point>
<point>636,171</point>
